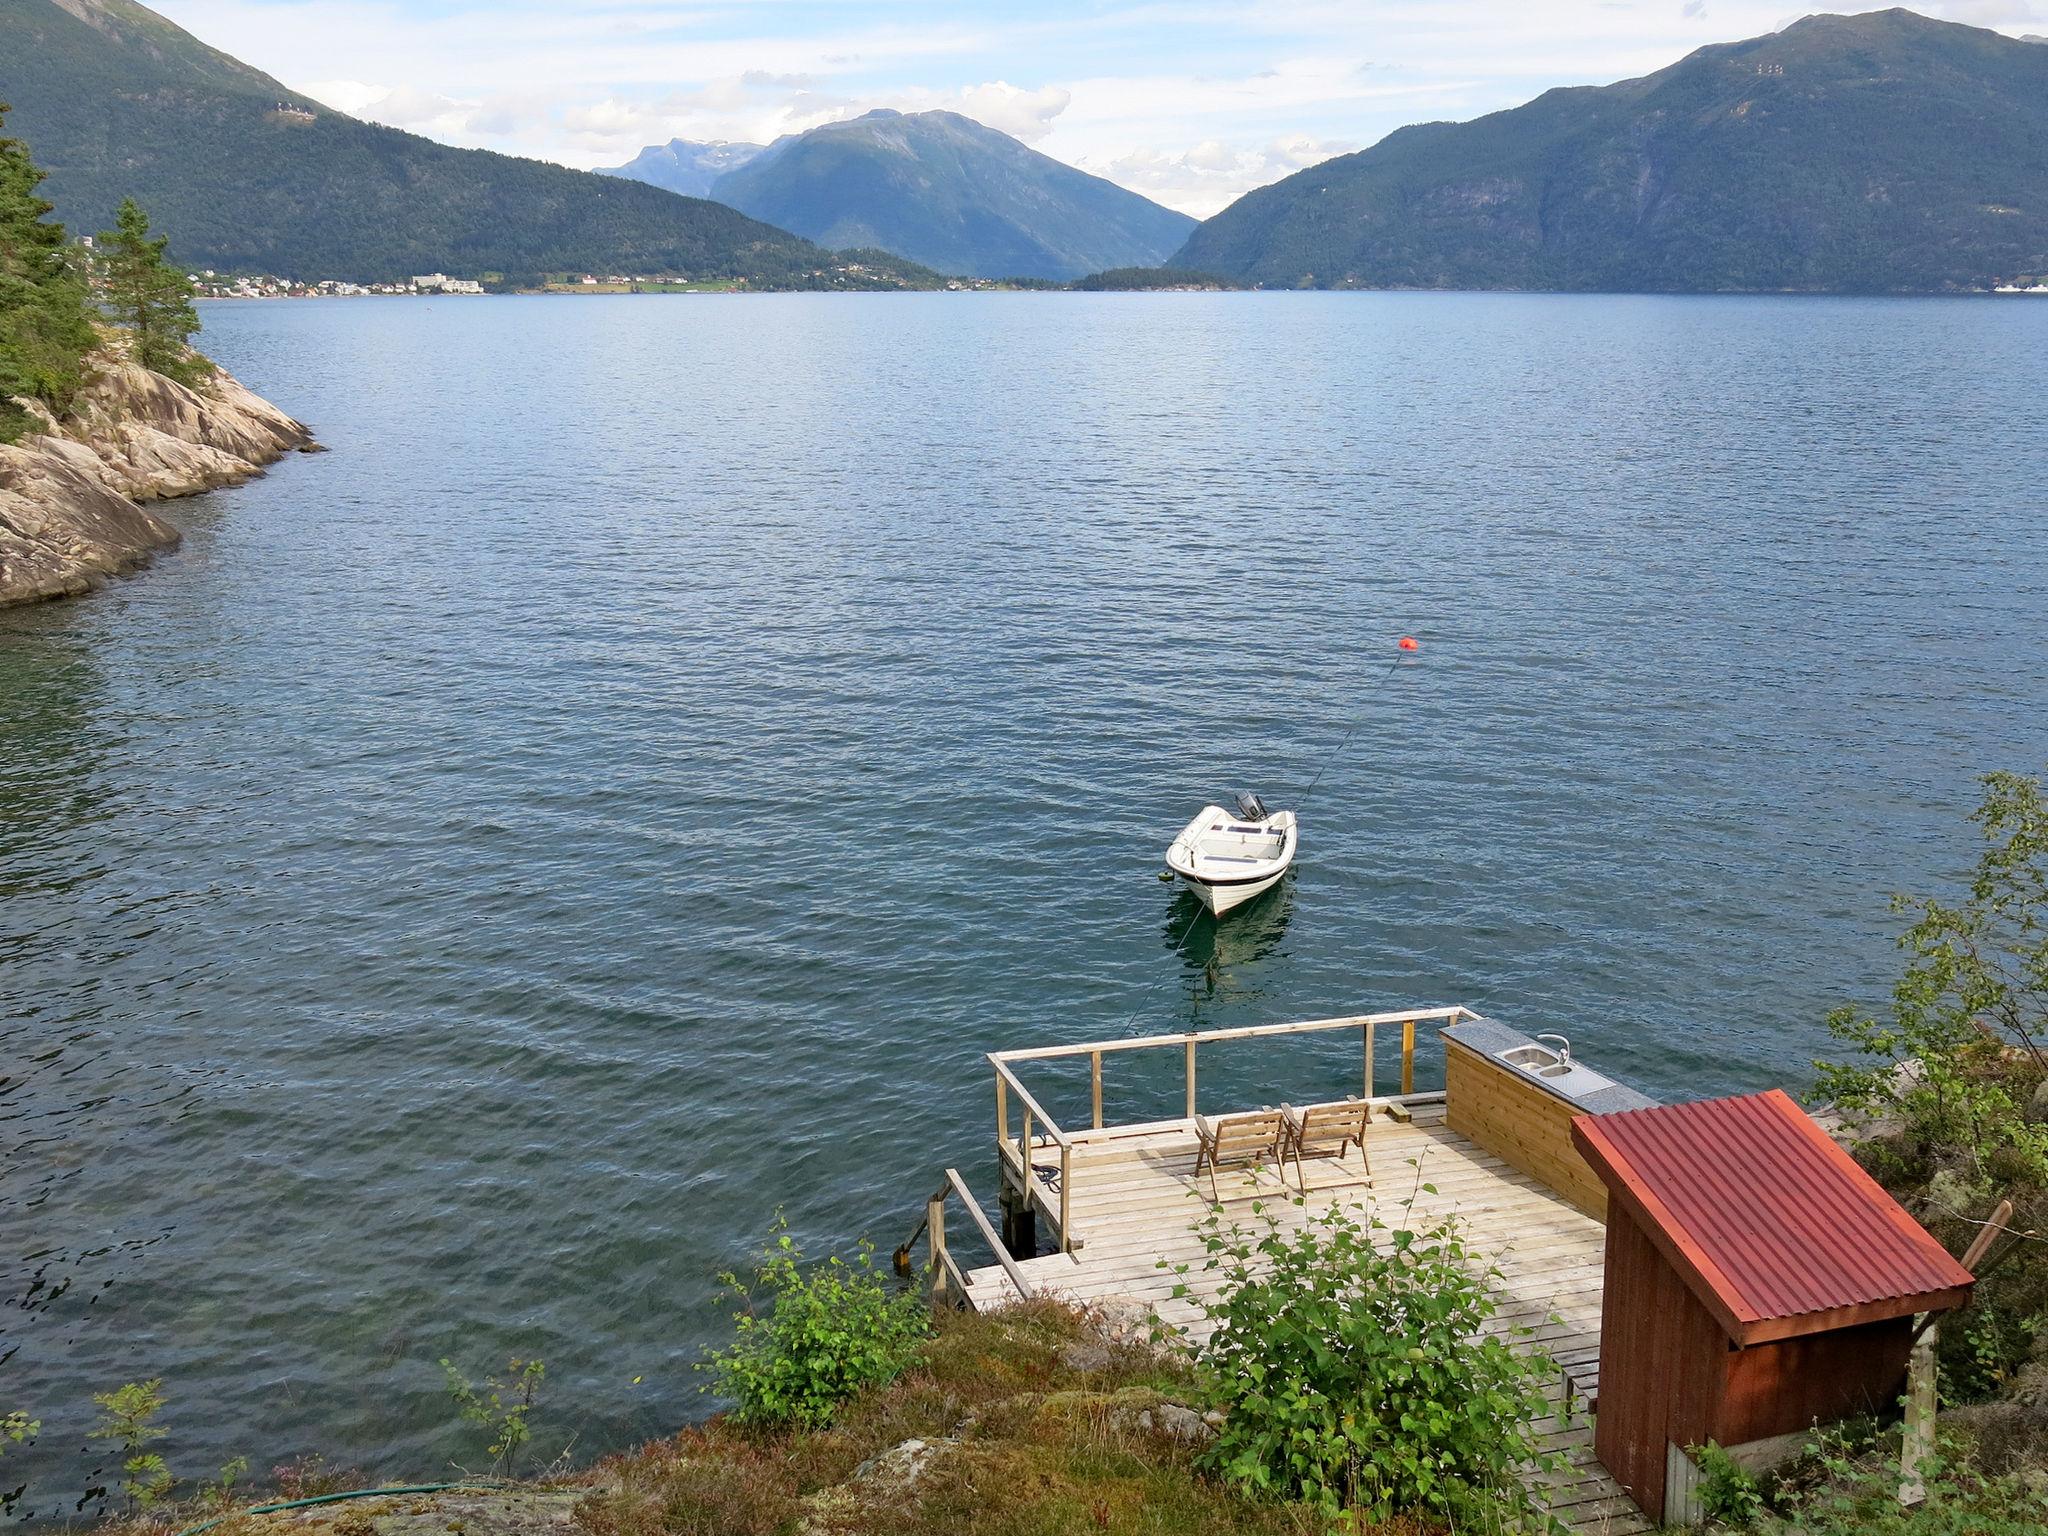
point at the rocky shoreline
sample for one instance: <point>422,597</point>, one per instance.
<point>71,495</point>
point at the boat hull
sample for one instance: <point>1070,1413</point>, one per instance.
<point>1220,899</point>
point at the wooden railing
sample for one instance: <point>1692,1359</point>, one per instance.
<point>1019,1148</point>
<point>948,1279</point>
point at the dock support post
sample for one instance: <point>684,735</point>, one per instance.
<point>1916,1447</point>
<point>1066,1190</point>
<point>1020,1223</point>
<point>935,1229</point>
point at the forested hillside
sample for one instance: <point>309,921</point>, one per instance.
<point>115,101</point>
<point>1876,153</point>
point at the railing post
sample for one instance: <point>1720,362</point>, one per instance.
<point>1371,1083</point>
<point>1024,1147</point>
<point>1066,1189</point>
<point>1095,1083</point>
<point>935,1228</point>
<point>1002,1109</point>
<point>1408,1057</point>
<point>1191,1077</point>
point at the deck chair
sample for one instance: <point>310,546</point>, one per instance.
<point>1326,1130</point>
<point>1239,1140</point>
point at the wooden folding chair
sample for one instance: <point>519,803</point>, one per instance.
<point>1327,1130</point>
<point>1238,1140</point>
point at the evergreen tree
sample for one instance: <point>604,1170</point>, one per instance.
<point>45,325</point>
<point>149,296</point>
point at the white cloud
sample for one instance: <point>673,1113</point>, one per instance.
<point>1211,175</point>
<point>1010,109</point>
<point>1986,13</point>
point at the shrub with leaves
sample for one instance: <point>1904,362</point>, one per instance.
<point>16,1427</point>
<point>806,1340</point>
<point>1962,1056</point>
<point>500,1407</point>
<point>1728,1493</point>
<point>1351,1362</point>
<point>1955,1081</point>
<point>128,1418</point>
<point>1846,1489</point>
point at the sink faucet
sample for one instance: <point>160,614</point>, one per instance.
<point>1564,1047</point>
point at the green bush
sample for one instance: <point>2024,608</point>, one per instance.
<point>806,1341</point>
<point>1351,1363</point>
<point>128,1418</point>
<point>1728,1494</point>
<point>1954,1078</point>
<point>1858,1495</point>
<point>1962,1054</point>
<point>501,1407</point>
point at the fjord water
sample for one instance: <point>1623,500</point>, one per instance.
<point>626,785</point>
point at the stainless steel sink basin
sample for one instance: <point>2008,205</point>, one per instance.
<point>1567,1077</point>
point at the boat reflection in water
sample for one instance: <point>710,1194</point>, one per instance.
<point>1218,958</point>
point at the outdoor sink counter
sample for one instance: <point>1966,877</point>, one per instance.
<point>1521,1116</point>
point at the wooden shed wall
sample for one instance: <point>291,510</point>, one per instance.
<point>1792,1384</point>
<point>1670,1375</point>
<point>1520,1124</point>
<point>1661,1356</point>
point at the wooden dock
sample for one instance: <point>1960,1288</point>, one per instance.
<point>1123,1205</point>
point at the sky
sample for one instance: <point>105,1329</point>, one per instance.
<point>1190,103</point>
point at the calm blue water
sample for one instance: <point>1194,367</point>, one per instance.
<point>626,785</point>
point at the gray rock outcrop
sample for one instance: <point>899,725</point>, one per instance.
<point>71,493</point>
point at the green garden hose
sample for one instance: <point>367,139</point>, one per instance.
<point>330,1498</point>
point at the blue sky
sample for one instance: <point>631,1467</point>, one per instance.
<point>1190,103</point>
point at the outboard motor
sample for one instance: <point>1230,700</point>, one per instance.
<point>1250,807</point>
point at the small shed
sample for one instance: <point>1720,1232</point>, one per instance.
<point>1757,1282</point>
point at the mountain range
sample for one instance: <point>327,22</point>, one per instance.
<point>934,187</point>
<point>248,175</point>
<point>1877,153</point>
<point>1884,152</point>
<point>686,166</point>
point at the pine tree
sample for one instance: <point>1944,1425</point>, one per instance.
<point>149,296</point>
<point>45,323</point>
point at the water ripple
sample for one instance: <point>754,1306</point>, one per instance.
<point>625,786</point>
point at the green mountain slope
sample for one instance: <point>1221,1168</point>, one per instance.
<point>1875,153</point>
<point>249,176</point>
<point>943,190</point>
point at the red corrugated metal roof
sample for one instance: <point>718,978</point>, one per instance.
<point>1774,1227</point>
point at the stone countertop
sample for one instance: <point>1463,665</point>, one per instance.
<point>1489,1037</point>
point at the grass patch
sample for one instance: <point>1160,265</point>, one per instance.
<point>1032,1417</point>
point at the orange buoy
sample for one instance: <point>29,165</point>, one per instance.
<point>1410,643</point>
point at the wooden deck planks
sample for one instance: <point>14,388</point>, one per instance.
<point>1135,1203</point>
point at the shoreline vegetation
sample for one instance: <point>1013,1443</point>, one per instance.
<point>104,404</point>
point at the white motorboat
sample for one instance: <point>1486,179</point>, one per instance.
<point>1228,857</point>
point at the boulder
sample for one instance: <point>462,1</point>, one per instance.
<point>1176,1423</point>
<point>898,1468</point>
<point>68,492</point>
